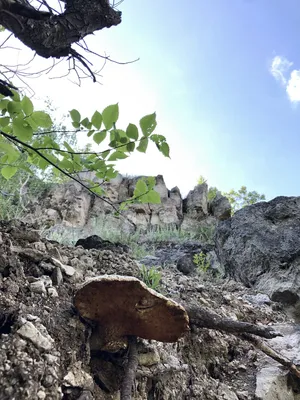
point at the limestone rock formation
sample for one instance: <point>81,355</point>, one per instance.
<point>70,205</point>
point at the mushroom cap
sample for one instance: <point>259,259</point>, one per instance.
<point>126,306</point>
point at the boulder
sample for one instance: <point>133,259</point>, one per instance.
<point>220,207</point>
<point>260,246</point>
<point>195,204</point>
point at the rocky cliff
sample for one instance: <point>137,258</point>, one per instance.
<point>71,205</point>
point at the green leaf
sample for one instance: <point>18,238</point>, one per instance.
<point>76,125</point>
<point>113,144</point>
<point>117,155</point>
<point>123,140</point>
<point>99,165</point>
<point>114,135</point>
<point>153,197</point>
<point>111,174</point>
<point>25,167</point>
<point>27,105</point>
<point>132,132</point>
<point>22,129</point>
<point>4,159</point>
<point>148,124</point>
<point>32,123</point>
<point>14,107</point>
<point>99,136</point>
<point>66,164</point>
<point>140,188</point>
<point>151,182</point>
<point>105,153</point>
<point>142,147</point>
<point>130,146</point>
<point>3,104</point>
<point>42,119</point>
<point>157,138</point>
<point>97,120</point>
<point>75,115</point>
<point>8,171</point>
<point>86,123</point>
<point>98,190</point>
<point>110,115</point>
<point>43,164</point>
<point>16,95</point>
<point>4,121</point>
<point>164,148</point>
<point>100,174</point>
<point>68,147</point>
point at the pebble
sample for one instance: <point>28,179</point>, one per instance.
<point>38,287</point>
<point>30,332</point>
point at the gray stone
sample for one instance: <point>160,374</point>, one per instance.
<point>271,384</point>
<point>52,292</point>
<point>66,269</point>
<point>77,377</point>
<point>30,332</point>
<point>220,207</point>
<point>195,204</point>
<point>57,277</point>
<point>258,299</point>
<point>38,287</point>
<point>260,246</point>
<point>186,265</point>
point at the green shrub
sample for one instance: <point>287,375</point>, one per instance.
<point>201,180</point>
<point>242,198</point>
<point>206,233</point>
<point>151,277</point>
<point>212,193</point>
<point>201,261</point>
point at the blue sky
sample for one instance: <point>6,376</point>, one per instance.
<point>211,64</point>
<point>222,76</point>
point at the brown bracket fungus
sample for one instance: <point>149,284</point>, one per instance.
<point>124,308</point>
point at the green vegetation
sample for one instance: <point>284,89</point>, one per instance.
<point>201,261</point>
<point>237,198</point>
<point>201,180</point>
<point>17,193</point>
<point>212,193</point>
<point>242,198</point>
<point>33,149</point>
<point>206,233</point>
<point>141,243</point>
<point>150,276</point>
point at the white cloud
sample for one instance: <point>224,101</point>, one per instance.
<point>279,68</point>
<point>289,79</point>
<point>293,86</point>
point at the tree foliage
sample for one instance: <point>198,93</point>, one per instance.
<point>237,198</point>
<point>242,198</point>
<point>29,142</point>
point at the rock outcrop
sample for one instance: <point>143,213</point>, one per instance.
<point>69,204</point>
<point>260,246</point>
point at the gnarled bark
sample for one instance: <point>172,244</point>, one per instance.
<point>53,35</point>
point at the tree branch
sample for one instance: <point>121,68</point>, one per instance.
<point>258,343</point>
<point>53,35</point>
<point>204,318</point>
<point>130,371</point>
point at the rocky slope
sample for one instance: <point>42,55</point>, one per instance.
<point>45,350</point>
<point>253,276</point>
